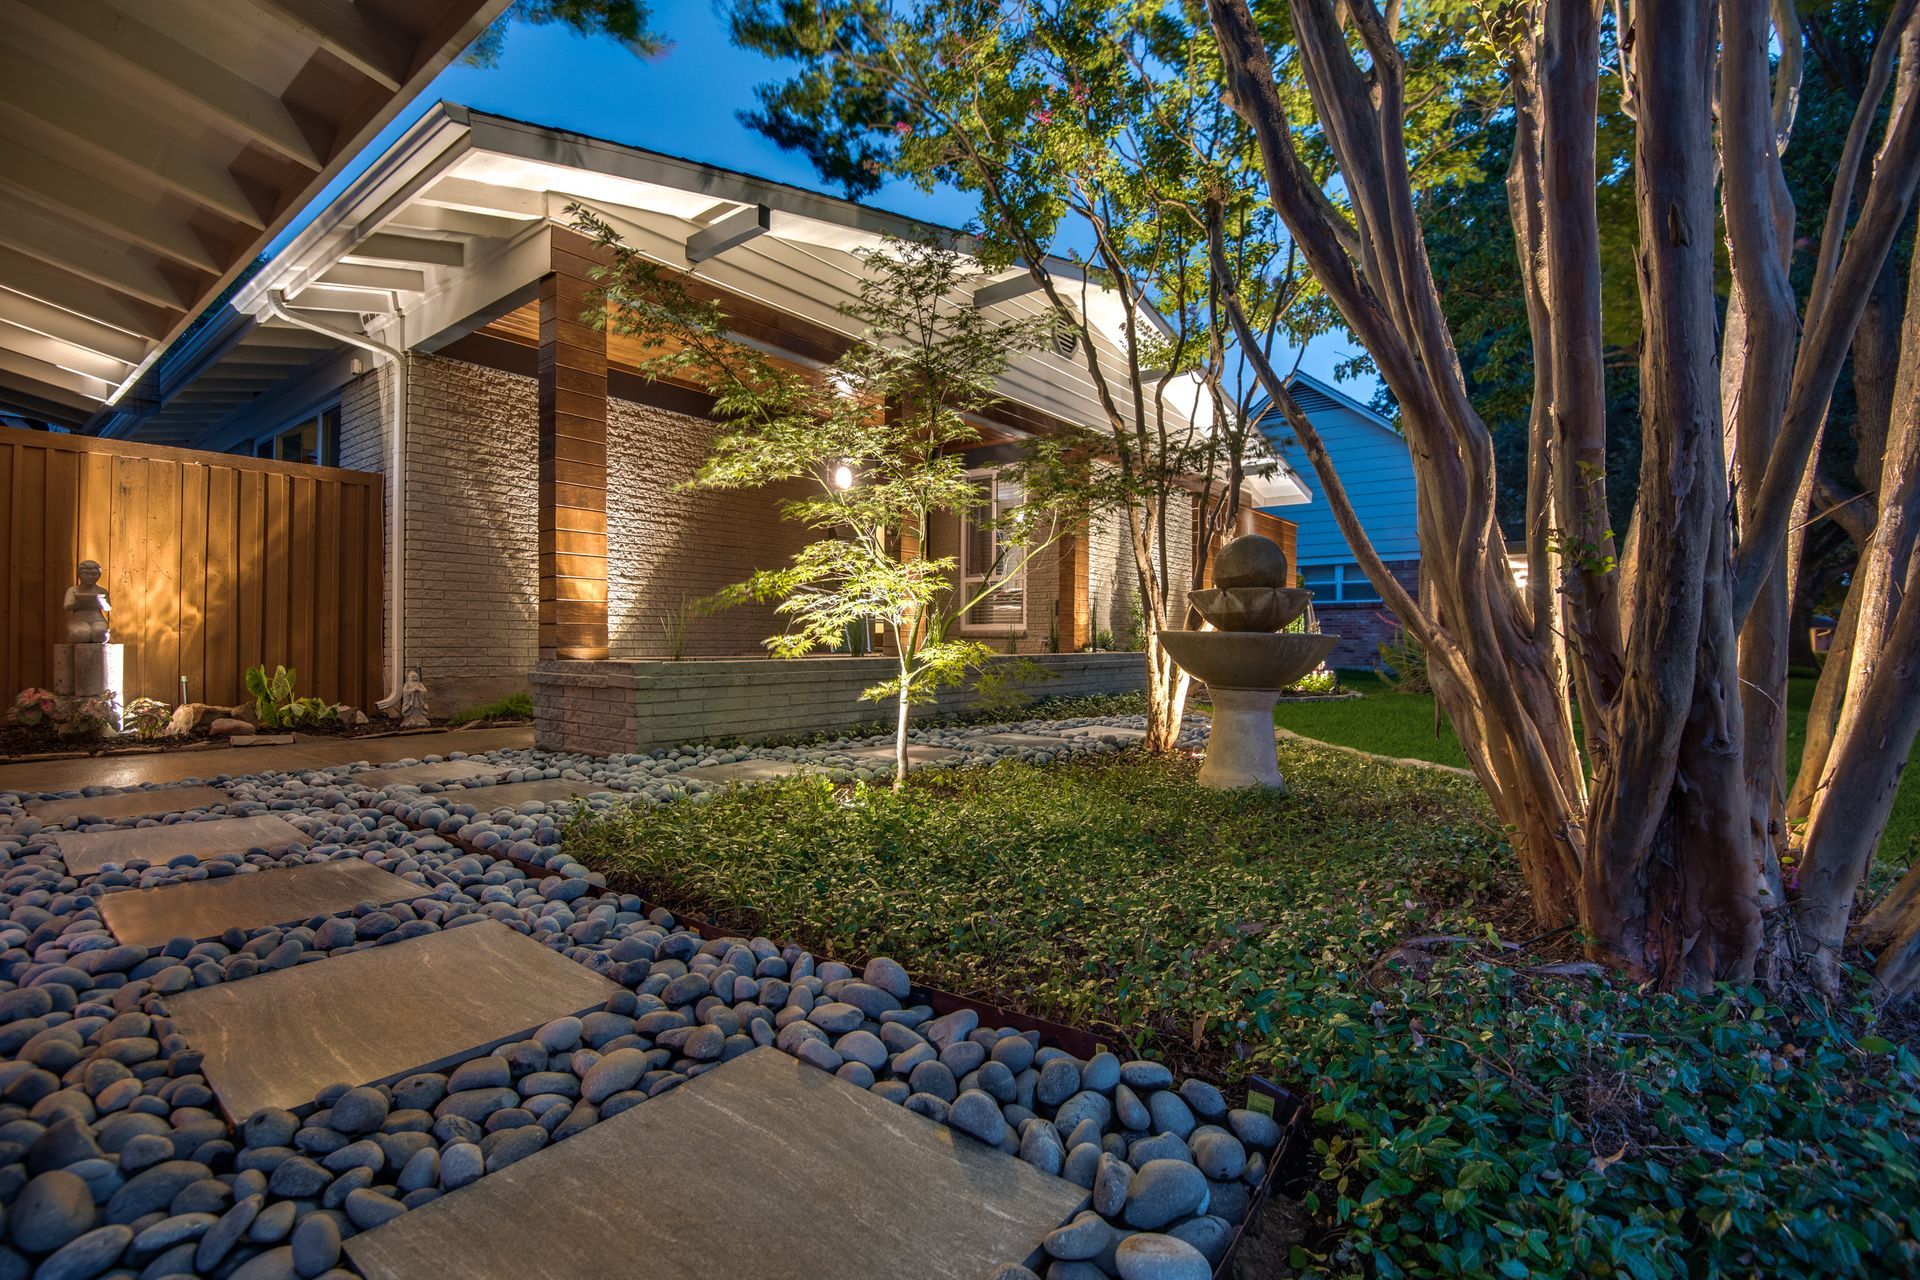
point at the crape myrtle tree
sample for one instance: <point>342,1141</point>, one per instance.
<point>879,437</point>
<point>1091,137</point>
<point>1674,855</point>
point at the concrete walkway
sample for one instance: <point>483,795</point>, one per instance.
<point>305,753</point>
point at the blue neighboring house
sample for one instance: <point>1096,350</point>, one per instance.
<point>1377,471</point>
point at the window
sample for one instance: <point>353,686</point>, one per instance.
<point>986,557</point>
<point>314,440</point>
<point>1338,584</point>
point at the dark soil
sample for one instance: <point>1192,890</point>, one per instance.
<point>19,742</point>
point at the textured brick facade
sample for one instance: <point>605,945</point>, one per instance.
<point>607,707</point>
<point>1115,590</point>
<point>1362,628</point>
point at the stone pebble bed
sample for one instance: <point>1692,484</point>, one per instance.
<point>114,1160</point>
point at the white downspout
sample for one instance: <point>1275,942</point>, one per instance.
<point>276,302</point>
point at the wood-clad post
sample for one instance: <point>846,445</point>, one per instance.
<point>573,460</point>
<point>1076,590</point>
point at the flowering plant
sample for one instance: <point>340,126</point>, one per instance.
<point>89,716</point>
<point>148,717</point>
<point>33,706</point>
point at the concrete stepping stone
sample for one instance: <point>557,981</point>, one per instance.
<point>802,1176</point>
<point>748,771</point>
<point>916,753</point>
<point>512,795</point>
<point>1037,741</point>
<point>250,900</point>
<point>1103,730</point>
<point>85,852</point>
<point>129,804</point>
<point>373,1016</point>
<point>414,774</point>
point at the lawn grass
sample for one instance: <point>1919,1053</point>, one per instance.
<point>1390,723</point>
<point>1478,1110</point>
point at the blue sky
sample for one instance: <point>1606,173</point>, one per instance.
<point>683,103</point>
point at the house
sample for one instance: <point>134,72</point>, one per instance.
<point>534,523</point>
<point>1377,472</point>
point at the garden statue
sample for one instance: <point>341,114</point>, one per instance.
<point>413,701</point>
<point>88,605</point>
<point>1248,660</point>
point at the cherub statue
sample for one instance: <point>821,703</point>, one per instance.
<point>413,701</point>
<point>88,605</point>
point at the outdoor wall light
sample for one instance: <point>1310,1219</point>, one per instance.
<point>843,477</point>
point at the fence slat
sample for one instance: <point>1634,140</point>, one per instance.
<point>214,561</point>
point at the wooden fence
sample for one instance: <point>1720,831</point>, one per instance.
<point>214,563</point>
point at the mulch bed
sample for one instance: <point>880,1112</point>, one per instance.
<point>21,743</point>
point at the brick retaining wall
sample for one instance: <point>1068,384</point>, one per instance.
<point>608,707</point>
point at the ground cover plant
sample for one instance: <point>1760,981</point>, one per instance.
<point>515,706</point>
<point>1477,1110</point>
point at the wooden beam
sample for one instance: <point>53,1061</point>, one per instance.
<point>384,246</point>
<point>98,133</point>
<point>355,276</point>
<point>79,197</point>
<point>735,229</point>
<point>465,222</point>
<point>23,227</point>
<point>66,355</point>
<point>573,460</point>
<point>364,41</point>
<point>24,274</point>
<point>188,78</point>
<point>75,330</point>
<point>484,197</point>
<point>996,292</point>
<point>54,382</point>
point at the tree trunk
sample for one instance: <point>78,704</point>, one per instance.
<point>903,711</point>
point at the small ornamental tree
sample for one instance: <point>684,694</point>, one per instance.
<point>880,434</point>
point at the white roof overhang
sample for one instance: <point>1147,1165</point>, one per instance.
<point>148,154</point>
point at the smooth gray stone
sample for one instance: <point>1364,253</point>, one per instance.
<point>512,795</point>
<point>415,774</point>
<point>785,1148</point>
<point>374,1016</point>
<point>129,804</point>
<point>747,771</point>
<point>208,908</point>
<point>86,852</point>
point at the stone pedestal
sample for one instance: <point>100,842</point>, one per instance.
<point>1240,745</point>
<point>88,671</point>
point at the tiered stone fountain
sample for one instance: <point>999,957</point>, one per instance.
<point>1247,661</point>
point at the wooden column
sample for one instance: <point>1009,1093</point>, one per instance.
<point>1076,590</point>
<point>573,460</point>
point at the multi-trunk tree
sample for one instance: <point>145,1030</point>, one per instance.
<point>1670,842</point>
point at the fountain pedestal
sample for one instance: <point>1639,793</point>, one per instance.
<point>1240,745</point>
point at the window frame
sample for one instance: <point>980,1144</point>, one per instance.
<point>1349,584</point>
<point>266,445</point>
<point>970,581</point>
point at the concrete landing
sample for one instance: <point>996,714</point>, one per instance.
<point>131,770</point>
<point>129,804</point>
<point>85,852</point>
<point>786,1174</point>
<point>916,753</point>
<point>1033,741</point>
<point>415,774</point>
<point>1106,730</point>
<point>208,908</point>
<point>368,1017</point>
<point>748,771</point>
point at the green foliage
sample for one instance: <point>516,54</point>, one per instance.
<point>275,705</point>
<point>515,706</point>
<point>626,21</point>
<point>676,625</point>
<point>147,717</point>
<point>1478,1111</point>
<point>1403,664</point>
<point>1322,679</point>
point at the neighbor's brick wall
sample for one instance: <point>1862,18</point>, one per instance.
<point>1362,628</point>
<point>666,545</point>
<point>608,707</point>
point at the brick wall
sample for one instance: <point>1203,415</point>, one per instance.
<point>608,707</point>
<point>364,405</point>
<point>1363,627</point>
<point>1115,591</point>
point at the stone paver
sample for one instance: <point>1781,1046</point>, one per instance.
<point>128,804</point>
<point>916,753</point>
<point>306,753</point>
<point>1036,741</point>
<point>85,852</point>
<point>208,908</point>
<point>748,771</point>
<point>802,1176</point>
<point>512,795</point>
<point>373,1016</point>
<point>415,774</point>
<point>1107,730</point>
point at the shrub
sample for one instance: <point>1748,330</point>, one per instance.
<point>275,705</point>
<point>1403,664</point>
<point>34,707</point>
<point>89,717</point>
<point>515,706</point>
<point>1319,680</point>
<point>147,717</point>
